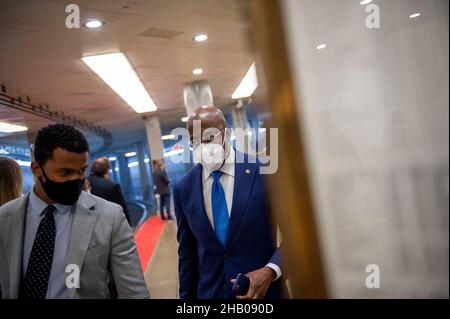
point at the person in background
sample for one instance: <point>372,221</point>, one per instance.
<point>103,187</point>
<point>162,182</point>
<point>10,180</point>
<point>87,186</point>
<point>58,242</point>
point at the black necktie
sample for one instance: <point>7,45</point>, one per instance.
<point>35,282</point>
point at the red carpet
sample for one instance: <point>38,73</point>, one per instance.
<point>147,237</point>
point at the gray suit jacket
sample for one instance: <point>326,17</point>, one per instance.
<point>101,244</point>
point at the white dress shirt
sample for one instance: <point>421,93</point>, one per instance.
<point>227,181</point>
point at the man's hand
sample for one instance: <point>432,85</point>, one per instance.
<point>260,280</point>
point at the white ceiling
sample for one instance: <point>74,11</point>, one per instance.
<point>40,57</point>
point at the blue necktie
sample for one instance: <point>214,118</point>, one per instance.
<point>219,207</point>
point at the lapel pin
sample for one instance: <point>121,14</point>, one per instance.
<point>247,171</point>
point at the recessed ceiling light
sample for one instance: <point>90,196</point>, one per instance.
<point>321,46</point>
<point>184,119</point>
<point>248,84</point>
<point>6,127</point>
<point>201,37</point>
<point>414,15</point>
<point>118,73</point>
<point>94,24</point>
<point>112,158</point>
<point>130,154</point>
<point>168,137</point>
<point>364,2</point>
<point>197,71</point>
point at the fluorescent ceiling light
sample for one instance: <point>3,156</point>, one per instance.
<point>184,119</point>
<point>6,127</point>
<point>130,154</point>
<point>116,71</point>
<point>112,158</point>
<point>93,24</point>
<point>248,84</point>
<point>321,46</point>
<point>197,71</point>
<point>133,164</point>
<point>415,15</point>
<point>23,163</point>
<point>168,137</point>
<point>174,152</point>
<point>364,2</point>
<point>201,37</point>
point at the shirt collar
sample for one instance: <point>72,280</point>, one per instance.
<point>227,167</point>
<point>39,205</point>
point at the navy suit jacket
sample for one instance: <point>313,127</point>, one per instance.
<point>205,266</point>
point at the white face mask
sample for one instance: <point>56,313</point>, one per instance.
<point>211,155</point>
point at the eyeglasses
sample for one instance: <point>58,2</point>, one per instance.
<point>206,139</point>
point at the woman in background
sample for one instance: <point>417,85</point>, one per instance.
<point>10,180</point>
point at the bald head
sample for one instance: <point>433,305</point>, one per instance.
<point>210,117</point>
<point>100,167</point>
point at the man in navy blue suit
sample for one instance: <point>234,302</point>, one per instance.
<point>223,218</point>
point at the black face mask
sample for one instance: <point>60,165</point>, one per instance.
<point>65,193</point>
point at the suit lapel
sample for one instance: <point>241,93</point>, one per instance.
<point>243,183</point>
<point>83,223</point>
<point>13,231</point>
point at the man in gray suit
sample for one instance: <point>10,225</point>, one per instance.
<point>60,242</point>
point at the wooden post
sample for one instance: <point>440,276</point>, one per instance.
<point>290,193</point>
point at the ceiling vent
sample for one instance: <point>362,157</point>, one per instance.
<point>160,33</point>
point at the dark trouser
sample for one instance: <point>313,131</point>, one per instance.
<point>165,202</point>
